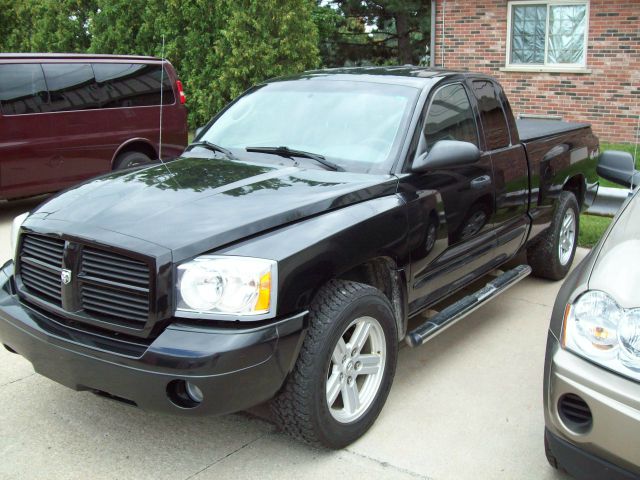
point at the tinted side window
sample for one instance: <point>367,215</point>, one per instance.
<point>493,120</point>
<point>450,117</point>
<point>132,85</point>
<point>71,86</point>
<point>22,89</point>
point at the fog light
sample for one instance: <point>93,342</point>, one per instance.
<point>184,394</point>
<point>194,392</point>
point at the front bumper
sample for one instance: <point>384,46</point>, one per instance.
<point>234,368</point>
<point>608,448</point>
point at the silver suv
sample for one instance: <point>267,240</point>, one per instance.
<point>592,366</point>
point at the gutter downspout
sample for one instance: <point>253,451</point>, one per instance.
<point>432,59</point>
<point>444,7</point>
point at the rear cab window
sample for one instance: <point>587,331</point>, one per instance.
<point>494,121</point>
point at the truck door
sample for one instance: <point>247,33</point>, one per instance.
<point>509,163</point>
<point>451,209</point>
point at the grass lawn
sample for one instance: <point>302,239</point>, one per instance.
<point>591,229</point>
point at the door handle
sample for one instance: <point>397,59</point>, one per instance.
<point>481,182</point>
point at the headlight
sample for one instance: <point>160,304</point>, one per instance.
<point>213,286</point>
<point>597,328</point>
<point>15,230</point>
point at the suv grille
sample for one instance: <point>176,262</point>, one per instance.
<point>121,288</point>
<point>41,264</point>
<point>108,289</point>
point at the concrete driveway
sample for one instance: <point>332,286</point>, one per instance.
<point>467,405</point>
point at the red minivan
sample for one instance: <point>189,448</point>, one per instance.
<point>68,117</point>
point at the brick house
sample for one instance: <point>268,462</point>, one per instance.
<point>569,59</point>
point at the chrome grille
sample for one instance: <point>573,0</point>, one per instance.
<point>40,266</point>
<point>114,287</point>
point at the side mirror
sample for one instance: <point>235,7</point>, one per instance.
<point>198,132</point>
<point>618,167</point>
<point>447,153</point>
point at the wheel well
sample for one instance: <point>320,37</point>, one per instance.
<point>137,146</point>
<point>575,185</point>
<point>382,273</point>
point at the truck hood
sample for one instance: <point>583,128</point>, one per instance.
<point>198,204</point>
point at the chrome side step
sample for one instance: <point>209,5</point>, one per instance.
<point>463,307</point>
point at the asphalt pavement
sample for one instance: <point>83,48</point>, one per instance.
<point>467,405</point>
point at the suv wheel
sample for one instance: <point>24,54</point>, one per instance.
<point>345,368</point>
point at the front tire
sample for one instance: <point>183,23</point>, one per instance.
<point>552,255</point>
<point>345,369</point>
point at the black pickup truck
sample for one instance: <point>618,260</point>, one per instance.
<point>282,256</point>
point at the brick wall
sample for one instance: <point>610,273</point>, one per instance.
<point>475,34</point>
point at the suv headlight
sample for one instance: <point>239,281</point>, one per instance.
<point>212,286</point>
<point>15,230</point>
<point>597,328</point>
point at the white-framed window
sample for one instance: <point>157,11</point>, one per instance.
<point>547,35</point>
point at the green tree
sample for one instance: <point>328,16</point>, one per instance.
<point>45,25</point>
<point>115,27</point>
<point>374,31</point>
<point>62,25</point>
<point>263,39</point>
<point>15,26</point>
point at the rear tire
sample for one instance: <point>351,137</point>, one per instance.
<point>552,254</point>
<point>130,160</point>
<point>345,367</point>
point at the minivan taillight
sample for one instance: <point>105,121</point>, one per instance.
<point>183,97</point>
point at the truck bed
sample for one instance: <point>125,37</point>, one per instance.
<point>534,128</point>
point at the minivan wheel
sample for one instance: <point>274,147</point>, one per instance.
<point>552,255</point>
<point>130,160</point>
<point>345,368</point>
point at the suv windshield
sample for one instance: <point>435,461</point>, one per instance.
<point>354,124</point>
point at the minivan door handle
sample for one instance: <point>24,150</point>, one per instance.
<point>481,182</point>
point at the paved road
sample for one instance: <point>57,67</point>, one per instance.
<point>466,406</point>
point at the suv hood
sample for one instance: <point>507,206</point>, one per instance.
<point>615,269</point>
<point>203,203</point>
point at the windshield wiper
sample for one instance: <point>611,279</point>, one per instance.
<point>213,147</point>
<point>289,153</point>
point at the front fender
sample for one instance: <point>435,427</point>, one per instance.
<point>315,250</point>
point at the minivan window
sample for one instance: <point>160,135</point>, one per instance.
<point>132,85</point>
<point>22,89</point>
<point>450,117</point>
<point>71,86</point>
<point>493,120</point>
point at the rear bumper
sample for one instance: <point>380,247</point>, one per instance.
<point>234,368</point>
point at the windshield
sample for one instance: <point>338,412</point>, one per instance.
<point>355,124</point>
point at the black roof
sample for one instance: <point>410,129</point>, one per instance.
<point>401,75</point>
